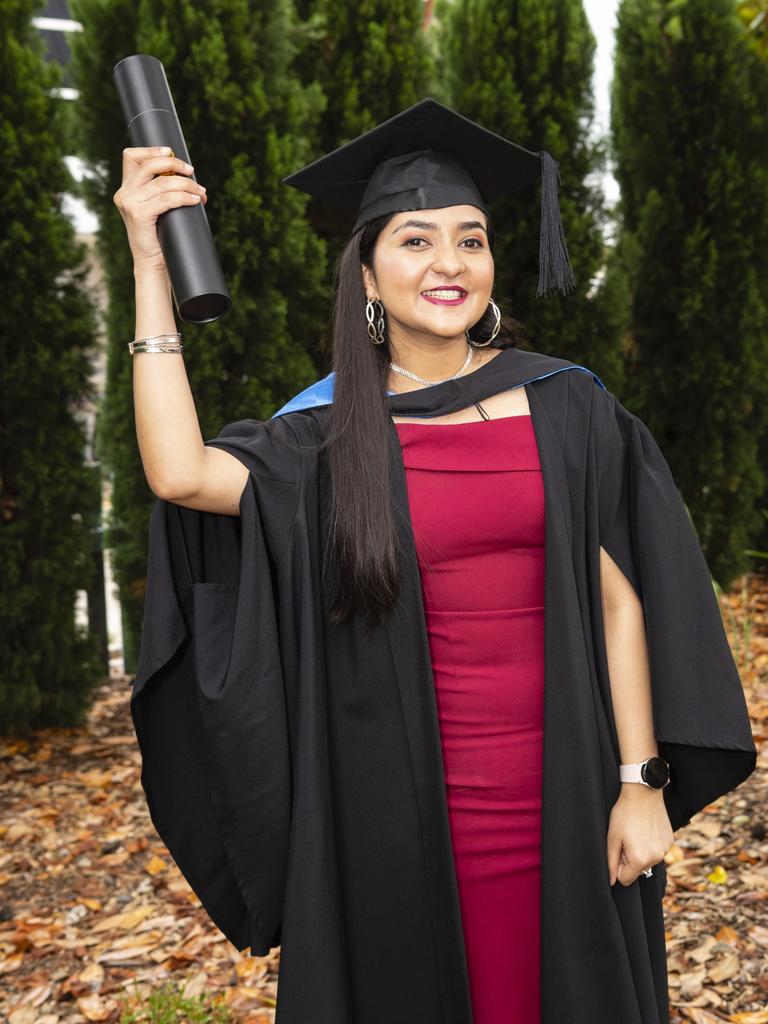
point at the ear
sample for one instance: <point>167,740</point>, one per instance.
<point>369,281</point>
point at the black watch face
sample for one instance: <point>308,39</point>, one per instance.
<point>656,773</point>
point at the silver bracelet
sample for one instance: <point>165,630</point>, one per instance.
<point>161,343</point>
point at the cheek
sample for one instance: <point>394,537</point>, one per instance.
<point>485,272</point>
<point>398,275</point>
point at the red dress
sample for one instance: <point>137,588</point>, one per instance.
<point>476,501</point>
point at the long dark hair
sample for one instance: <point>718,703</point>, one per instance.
<point>362,534</point>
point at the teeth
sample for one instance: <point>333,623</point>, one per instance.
<point>445,293</point>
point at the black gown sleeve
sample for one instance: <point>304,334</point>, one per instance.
<point>208,702</point>
<point>701,721</point>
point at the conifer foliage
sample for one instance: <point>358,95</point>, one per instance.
<point>48,496</point>
<point>524,70</point>
<point>690,95</point>
<point>372,59</point>
<point>248,121</point>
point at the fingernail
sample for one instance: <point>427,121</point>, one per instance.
<point>189,167</point>
<point>165,150</point>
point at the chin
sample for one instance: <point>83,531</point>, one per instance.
<point>447,327</point>
<point>447,334</point>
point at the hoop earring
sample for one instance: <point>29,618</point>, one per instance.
<point>375,331</point>
<point>496,328</point>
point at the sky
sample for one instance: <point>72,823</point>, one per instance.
<point>602,20</point>
<point>602,17</point>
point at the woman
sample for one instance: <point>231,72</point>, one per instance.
<point>397,704</point>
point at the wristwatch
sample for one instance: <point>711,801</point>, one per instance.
<point>654,773</point>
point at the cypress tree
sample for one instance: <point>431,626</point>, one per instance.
<point>247,120</point>
<point>373,59</point>
<point>524,70</point>
<point>49,497</point>
<point>691,137</point>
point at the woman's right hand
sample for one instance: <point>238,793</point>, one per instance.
<point>152,184</point>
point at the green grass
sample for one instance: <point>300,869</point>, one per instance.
<point>167,1005</point>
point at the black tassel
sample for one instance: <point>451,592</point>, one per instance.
<point>554,265</point>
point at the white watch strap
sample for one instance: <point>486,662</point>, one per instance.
<point>631,773</point>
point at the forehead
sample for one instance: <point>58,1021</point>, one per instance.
<point>443,217</point>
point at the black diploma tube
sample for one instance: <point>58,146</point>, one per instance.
<point>197,281</point>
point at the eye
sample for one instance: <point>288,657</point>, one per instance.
<point>417,238</point>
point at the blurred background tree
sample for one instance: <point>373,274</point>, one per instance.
<point>248,121</point>
<point>264,88</point>
<point>49,496</point>
<point>372,59</point>
<point>754,15</point>
<point>524,70</point>
<point>690,95</point>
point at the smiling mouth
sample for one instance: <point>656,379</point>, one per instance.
<point>445,296</point>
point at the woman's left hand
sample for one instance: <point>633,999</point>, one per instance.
<point>639,832</point>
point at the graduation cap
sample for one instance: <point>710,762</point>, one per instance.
<point>429,156</point>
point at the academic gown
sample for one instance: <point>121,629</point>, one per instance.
<point>293,767</point>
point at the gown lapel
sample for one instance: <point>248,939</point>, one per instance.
<point>510,369</point>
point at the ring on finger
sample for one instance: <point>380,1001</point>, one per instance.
<point>172,156</point>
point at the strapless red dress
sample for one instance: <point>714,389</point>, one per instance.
<point>476,501</point>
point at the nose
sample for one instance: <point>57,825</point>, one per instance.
<point>448,261</point>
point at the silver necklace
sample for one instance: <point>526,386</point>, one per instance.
<point>414,376</point>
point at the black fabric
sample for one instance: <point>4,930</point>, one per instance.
<point>371,174</point>
<point>293,767</point>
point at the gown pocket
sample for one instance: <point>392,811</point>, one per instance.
<point>214,608</point>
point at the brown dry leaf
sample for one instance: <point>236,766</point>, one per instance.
<point>128,955</point>
<point>691,984</point>
<point>11,963</point>
<point>93,974</point>
<point>726,934</point>
<point>155,865</point>
<point>674,854</point>
<point>93,1007</point>
<point>95,779</point>
<point>703,952</point>
<point>713,998</point>
<point>700,1016</point>
<point>23,1015</point>
<point>724,969</point>
<point>252,968</point>
<point>707,825</point>
<point>129,919</point>
<point>17,831</point>
<point>754,879</point>
<point>35,995</point>
<point>687,866</point>
<point>196,985</point>
<point>243,999</point>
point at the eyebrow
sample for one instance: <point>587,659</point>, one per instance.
<point>427,225</point>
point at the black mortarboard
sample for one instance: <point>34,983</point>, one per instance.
<point>429,156</point>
